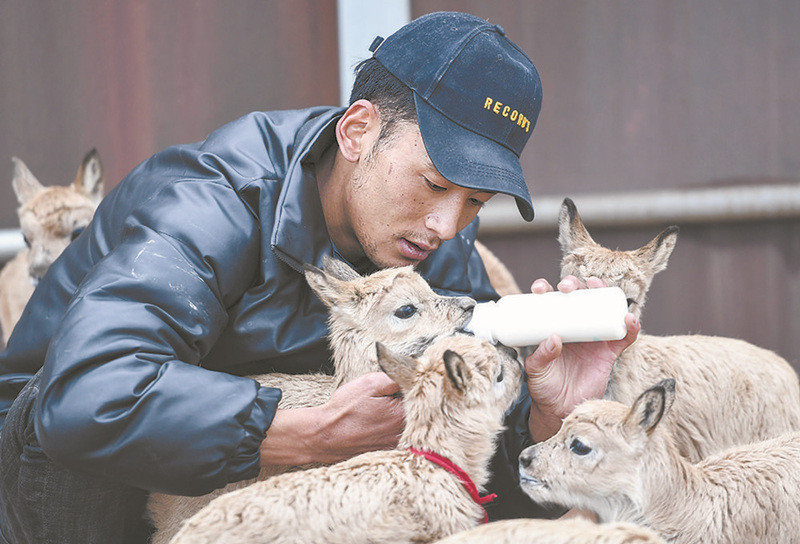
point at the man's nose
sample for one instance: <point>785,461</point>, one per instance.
<point>443,222</point>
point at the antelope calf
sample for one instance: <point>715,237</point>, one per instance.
<point>733,392</point>
<point>455,398</point>
<point>554,531</point>
<point>395,306</point>
<point>624,464</point>
<point>50,218</point>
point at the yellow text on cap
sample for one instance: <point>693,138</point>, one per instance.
<point>503,110</point>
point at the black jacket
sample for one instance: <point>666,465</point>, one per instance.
<point>189,277</point>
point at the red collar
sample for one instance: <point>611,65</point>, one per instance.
<point>466,481</point>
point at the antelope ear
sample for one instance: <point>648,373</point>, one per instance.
<point>89,179</point>
<point>25,184</point>
<point>658,250</point>
<point>329,289</point>
<point>571,232</point>
<point>650,407</point>
<point>457,370</point>
<point>401,368</point>
<point>339,269</point>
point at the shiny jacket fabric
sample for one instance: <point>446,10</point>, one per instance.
<point>189,277</point>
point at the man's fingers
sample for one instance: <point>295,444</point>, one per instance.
<point>545,353</point>
<point>594,282</point>
<point>633,327</point>
<point>381,384</point>
<point>568,284</point>
<point>540,286</point>
<point>571,283</point>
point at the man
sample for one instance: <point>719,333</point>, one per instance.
<point>190,276</point>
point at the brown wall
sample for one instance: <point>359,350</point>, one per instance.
<point>132,77</point>
<point>638,95</point>
<point>648,94</point>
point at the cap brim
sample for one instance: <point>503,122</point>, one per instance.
<point>470,160</point>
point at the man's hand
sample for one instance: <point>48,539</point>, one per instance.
<point>561,376</point>
<point>360,416</point>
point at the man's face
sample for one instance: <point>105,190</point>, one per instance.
<point>400,208</point>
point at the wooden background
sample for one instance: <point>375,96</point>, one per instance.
<point>638,95</point>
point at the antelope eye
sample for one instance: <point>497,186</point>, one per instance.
<point>77,232</point>
<point>500,376</point>
<point>404,312</point>
<point>631,302</point>
<point>25,239</point>
<point>579,448</point>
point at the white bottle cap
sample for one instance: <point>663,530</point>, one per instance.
<point>481,322</point>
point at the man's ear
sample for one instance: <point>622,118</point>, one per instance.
<point>358,129</point>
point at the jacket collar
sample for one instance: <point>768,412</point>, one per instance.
<point>300,234</point>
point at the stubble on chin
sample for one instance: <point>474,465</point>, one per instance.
<point>373,254</point>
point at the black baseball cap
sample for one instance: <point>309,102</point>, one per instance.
<point>477,97</point>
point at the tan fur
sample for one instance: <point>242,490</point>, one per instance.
<point>455,400</point>
<point>499,275</point>
<point>632,271</point>
<point>49,216</point>
<point>558,531</point>
<point>735,392</point>
<point>16,288</point>
<point>362,310</point>
<point>629,469</point>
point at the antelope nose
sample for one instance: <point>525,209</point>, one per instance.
<point>526,457</point>
<point>466,303</point>
<point>511,353</point>
<point>467,306</point>
<point>37,270</point>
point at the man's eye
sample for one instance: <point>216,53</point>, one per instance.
<point>433,187</point>
<point>579,448</point>
<point>476,202</point>
<point>404,312</point>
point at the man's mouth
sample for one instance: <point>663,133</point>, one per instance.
<point>415,251</point>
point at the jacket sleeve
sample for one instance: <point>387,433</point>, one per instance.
<point>123,392</point>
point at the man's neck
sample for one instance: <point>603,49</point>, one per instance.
<point>333,172</point>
